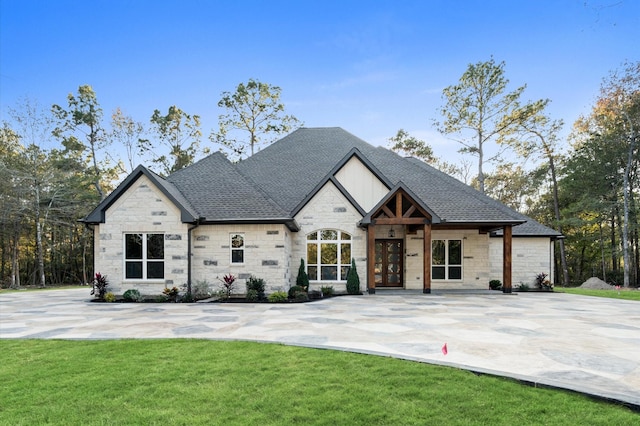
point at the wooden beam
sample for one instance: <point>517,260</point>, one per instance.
<point>401,221</point>
<point>399,204</point>
<point>426,256</point>
<point>388,212</point>
<point>410,211</point>
<point>371,259</point>
<point>507,240</point>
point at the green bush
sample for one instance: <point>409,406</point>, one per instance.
<point>353,280</point>
<point>252,295</point>
<point>495,284</point>
<point>278,297</point>
<point>132,295</point>
<point>256,285</point>
<point>327,291</point>
<point>302,280</point>
<point>295,290</point>
<point>523,287</point>
<point>110,297</point>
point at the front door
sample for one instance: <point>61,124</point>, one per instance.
<point>388,266</point>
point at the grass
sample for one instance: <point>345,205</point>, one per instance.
<point>34,288</point>
<point>191,382</point>
<point>632,294</point>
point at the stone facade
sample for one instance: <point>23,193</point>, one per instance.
<point>266,255</point>
<point>329,209</point>
<point>142,209</point>
<point>530,256</point>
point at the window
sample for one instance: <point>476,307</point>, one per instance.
<point>446,259</point>
<point>328,255</point>
<point>237,248</point>
<point>144,256</point>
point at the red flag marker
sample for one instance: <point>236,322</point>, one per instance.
<point>444,349</point>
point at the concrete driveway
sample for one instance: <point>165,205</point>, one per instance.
<point>586,344</point>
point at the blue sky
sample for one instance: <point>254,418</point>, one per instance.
<point>371,67</point>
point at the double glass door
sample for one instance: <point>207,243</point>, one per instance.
<point>388,266</point>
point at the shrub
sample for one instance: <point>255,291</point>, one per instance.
<point>228,285</point>
<point>252,295</point>
<point>132,295</point>
<point>301,296</point>
<point>495,284</point>
<point>100,285</point>
<point>353,280</point>
<point>523,287</point>
<point>303,279</point>
<point>256,285</point>
<point>542,282</point>
<point>327,291</point>
<point>201,290</point>
<point>110,297</point>
<point>315,294</point>
<point>294,290</point>
<point>277,297</point>
<point>171,293</point>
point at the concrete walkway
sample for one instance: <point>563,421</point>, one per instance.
<point>586,344</point>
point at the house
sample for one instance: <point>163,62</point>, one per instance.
<point>321,195</point>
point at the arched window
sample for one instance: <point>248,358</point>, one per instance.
<point>328,255</point>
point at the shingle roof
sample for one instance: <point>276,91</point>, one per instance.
<point>273,184</point>
<point>218,192</point>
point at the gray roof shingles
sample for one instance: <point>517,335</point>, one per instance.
<point>272,183</point>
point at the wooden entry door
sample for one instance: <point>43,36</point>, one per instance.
<point>389,266</point>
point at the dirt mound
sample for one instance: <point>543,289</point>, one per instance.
<point>595,283</point>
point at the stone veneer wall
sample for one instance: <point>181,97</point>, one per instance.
<point>266,255</point>
<point>329,209</point>
<point>143,208</point>
<point>530,256</point>
<point>475,269</point>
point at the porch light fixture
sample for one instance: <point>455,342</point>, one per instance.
<point>392,233</point>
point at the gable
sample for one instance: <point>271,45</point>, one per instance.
<point>365,187</point>
<point>142,204</point>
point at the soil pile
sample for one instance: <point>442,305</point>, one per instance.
<point>596,283</point>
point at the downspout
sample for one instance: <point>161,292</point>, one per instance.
<point>189,254</point>
<point>93,254</point>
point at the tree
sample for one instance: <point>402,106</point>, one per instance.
<point>128,133</point>
<point>255,108</point>
<point>180,132</point>
<point>353,280</point>
<point>475,110</point>
<point>410,146</point>
<point>535,134</point>
<point>83,118</point>
<point>616,119</point>
<point>302,280</point>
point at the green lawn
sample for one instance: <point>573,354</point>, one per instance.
<point>32,288</point>
<point>632,294</point>
<point>191,382</point>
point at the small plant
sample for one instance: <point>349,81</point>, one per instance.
<point>495,284</point>
<point>252,295</point>
<point>132,295</point>
<point>256,285</point>
<point>109,297</point>
<point>228,285</point>
<point>201,290</point>
<point>277,297</point>
<point>523,287</point>
<point>315,294</point>
<point>100,285</point>
<point>327,291</point>
<point>542,282</point>
<point>171,293</point>
<point>294,290</point>
<point>302,280</point>
<point>353,280</point>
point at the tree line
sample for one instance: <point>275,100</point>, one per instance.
<point>586,187</point>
